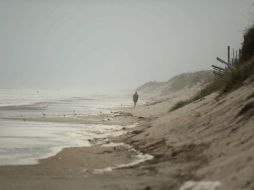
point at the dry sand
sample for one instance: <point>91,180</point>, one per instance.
<point>208,140</point>
<point>206,145</point>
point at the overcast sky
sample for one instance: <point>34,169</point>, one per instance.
<point>114,43</point>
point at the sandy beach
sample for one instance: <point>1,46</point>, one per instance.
<point>205,145</point>
<point>101,166</point>
<point>126,95</point>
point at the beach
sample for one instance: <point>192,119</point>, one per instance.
<point>46,146</point>
<point>96,165</point>
<point>195,147</point>
<point>126,95</point>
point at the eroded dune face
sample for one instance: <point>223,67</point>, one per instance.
<point>211,139</point>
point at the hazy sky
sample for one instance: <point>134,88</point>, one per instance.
<point>114,43</point>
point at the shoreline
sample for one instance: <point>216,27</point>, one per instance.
<point>105,156</point>
<point>89,131</point>
<point>200,146</point>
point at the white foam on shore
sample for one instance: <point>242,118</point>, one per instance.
<point>200,185</point>
<point>31,141</point>
<point>138,158</point>
<point>23,142</point>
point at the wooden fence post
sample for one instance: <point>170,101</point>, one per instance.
<point>228,54</point>
<point>233,54</point>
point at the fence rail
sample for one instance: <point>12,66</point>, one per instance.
<point>229,64</point>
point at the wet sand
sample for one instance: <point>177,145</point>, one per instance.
<point>79,167</point>
<point>72,168</point>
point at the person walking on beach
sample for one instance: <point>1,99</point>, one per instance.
<point>135,99</point>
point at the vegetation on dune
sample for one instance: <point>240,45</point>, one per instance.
<point>179,105</point>
<point>177,83</point>
<point>236,77</point>
<point>231,79</point>
<point>248,45</point>
<point>189,80</point>
<point>243,68</point>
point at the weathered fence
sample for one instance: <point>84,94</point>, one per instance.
<point>229,64</point>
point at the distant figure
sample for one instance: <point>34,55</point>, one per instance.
<point>135,99</point>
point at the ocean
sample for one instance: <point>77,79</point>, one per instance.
<point>24,142</point>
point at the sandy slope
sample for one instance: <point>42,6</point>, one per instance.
<point>214,138</point>
<point>157,108</point>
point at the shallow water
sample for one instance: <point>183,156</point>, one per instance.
<point>54,103</point>
<point>26,142</point>
<point>23,142</point>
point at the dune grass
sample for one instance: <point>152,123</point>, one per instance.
<point>226,83</point>
<point>231,79</point>
<point>179,105</point>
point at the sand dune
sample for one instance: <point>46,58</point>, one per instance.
<point>210,139</point>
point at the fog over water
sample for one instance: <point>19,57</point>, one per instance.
<point>114,43</point>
